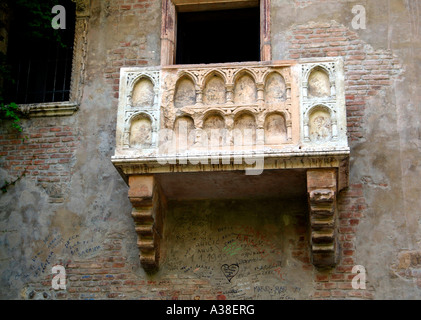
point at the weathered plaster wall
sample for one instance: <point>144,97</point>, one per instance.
<point>383,109</point>
<point>83,220</point>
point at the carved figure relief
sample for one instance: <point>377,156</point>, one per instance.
<point>185,93</point>
<point>214,127</point>
<point>214,92</point>
<point>231,98</point>
<point>143,93</point>
<point>141,133</point>
<point>245,91</point>
<point>184,132</point>
<point>320,125</point>
<point>318,84</point>
<point>275,129</point>
<point>244,130</point>
<point>275,88</point>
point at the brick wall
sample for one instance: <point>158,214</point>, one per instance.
<point>44,152</point>
<point>137,6</point>
<point>110,273</point>
<point>336,283</point>
<point>133,50</point>
<point>367,72</point>
<point>111,276</point>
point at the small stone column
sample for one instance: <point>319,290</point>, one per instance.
<point>168,31</point>
<point>321,191</point>
<point>149,206</point>
<point>265,40</point>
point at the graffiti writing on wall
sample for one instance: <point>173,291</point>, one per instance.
<point>52,249</point>
<point>230,271</point>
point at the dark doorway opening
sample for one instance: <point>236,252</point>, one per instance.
<point>218,36</point>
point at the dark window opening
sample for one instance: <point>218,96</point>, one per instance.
<point>41,66</point>
<point>218,36</point>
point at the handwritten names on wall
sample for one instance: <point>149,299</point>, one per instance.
<point>240,250</point>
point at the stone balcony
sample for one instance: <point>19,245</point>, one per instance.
<point>277,121</point>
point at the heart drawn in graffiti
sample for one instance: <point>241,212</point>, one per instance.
<point>230,271</point>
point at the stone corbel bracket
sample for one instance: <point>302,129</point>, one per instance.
<point>149,205</point>
<point>322,191</point>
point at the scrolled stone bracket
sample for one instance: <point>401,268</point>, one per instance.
<point>322,192</point>
<point>149,205</point>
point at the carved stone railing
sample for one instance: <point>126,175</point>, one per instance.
<point>239,116</point>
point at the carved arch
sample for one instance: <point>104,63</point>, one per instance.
<point>215,93</point>
<point>243,125</point>
<point>244,71</point>
<point>244,111</point>
<point>248,94</point>
<point>135,82</point>
<point>213,111</point>
<point>182,99</point>
<point>329,71</point>
<point>321,106</point>
<point>186,74</point>
<point>267,77</point>
<point>275,132</point>
<point>210,74</point>
<point>323,68</point>
<point>137,117</point>
<point>332,121</point>
<point>184,139</point>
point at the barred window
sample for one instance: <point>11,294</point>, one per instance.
<point>41,66</point>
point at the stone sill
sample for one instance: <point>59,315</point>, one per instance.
<point>154,161</point>
<point>265,153</point>
<point>305,159</point>
<point>49,109</point>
